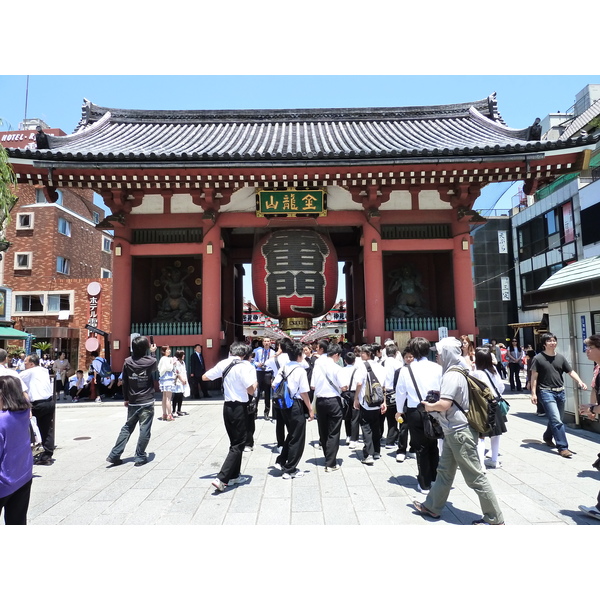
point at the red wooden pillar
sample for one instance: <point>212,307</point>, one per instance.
<point>211,293</point>
<point>121,301</point>
<point>227,300</point>
<point>373,273</point>
<point>464,291</point>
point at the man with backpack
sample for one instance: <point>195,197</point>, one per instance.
<point>460,441</point>
<point>239,382</point>
<point>369,398</point>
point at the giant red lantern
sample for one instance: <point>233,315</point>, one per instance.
<point>294,276</point>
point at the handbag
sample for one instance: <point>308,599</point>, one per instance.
<point>431,427</point>
<point>503,405</point>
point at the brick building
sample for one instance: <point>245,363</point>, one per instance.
<point>56,252</point>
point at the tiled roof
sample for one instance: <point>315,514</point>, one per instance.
<point>254,136</point>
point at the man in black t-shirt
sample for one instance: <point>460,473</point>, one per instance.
<point>547,387</point>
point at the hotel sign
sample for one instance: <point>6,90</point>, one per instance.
<point>291,203</point>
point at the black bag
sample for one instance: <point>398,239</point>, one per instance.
<point>348,397</point>
<point>431,426</point>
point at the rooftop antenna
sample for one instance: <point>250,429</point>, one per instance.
<point>26,98</point>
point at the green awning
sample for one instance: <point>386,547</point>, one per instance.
<point>10,333</point>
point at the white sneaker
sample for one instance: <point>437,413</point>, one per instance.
<point>400,457</point>
<point>347,441</point>
<point>331,469</point>
<point>376,456</point>
<point>217,483</point>
<point>353,445</point>
<point>590,511</point>
<point>248,449</point>
<point>297,473</point>
<point>421,490</point>
<point>492,464</point>
<point>98,399</point>
<point>238,480</point>
<point>368,460</point>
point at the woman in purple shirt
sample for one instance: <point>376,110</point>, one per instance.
<point>16,459</point>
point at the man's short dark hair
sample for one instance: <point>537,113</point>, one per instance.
<point>324,345</point>
<point>139,346</point>
<point>79,371</point>
<point>295,350</point>
<point>34,358</point>
<point>419,347</point>
<point>391,350</point>
<point>349,358</point>
<point>546,337</point>
<point>196,346</point>
<point>367,349</point>
<point>334,349</point>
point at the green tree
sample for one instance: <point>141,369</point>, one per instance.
<point>7,188</point>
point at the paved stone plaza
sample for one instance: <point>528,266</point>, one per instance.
<point>535,485</point>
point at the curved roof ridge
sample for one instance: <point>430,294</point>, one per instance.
<point>499,126</point>
<point>81,133</point>
<point>488,107</point>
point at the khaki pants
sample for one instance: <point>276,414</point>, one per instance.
<point>460,450</point>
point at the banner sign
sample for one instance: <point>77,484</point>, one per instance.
<point>291,203</point>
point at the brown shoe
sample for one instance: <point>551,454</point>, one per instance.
<point>424,510</point>
<point>565,453</point>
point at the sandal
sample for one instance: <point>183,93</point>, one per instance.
<point>170,418</point>
<point>424,510</point>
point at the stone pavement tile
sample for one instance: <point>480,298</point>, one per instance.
<point>277,487</point>
<point>400,511</point>
<point>188,500</point>
<point>171,518</point>
<point>275,511</point>
<point>44,519</point>
<point>339,511</point>
<point>240,519</point>
<point>528,508</point>
<point>112,491</point>
<point>373,518</point>
<point>306,499</point>
<point>333,485</point>
<point>129,500</point>
<point>148,512</point>
<point>246,499</point>
<point>87,513</point>
<point>65,506</point>
<point>109,518</point>
<point>308,518</point>
<point>213,509</point>
<point>152,477</point>
<point>167,489</point>
<point>365,498</point>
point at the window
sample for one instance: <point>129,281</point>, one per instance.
<point>40,198</point>
<point>64,227</point>
<point>25,221</point>
<point>43,303</point>
<point>106,244</point>
<point>105,274</point>
<point>29,303</point>
<point>95,217</point>
<point>63,265</point>
<point>23,260</point>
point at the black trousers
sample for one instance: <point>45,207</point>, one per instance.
<point>15,505</point>
<point>235,419</point>
<point>44,411</point>
<point>389,417</point>
<point>264,385</point>
<point>403,438</point>
<point>352,423</point>
<point>293,446</point>
<point>84,393</point>
<point>515,379</point>
<point>371,430</point>
<point>197,384</point>
<point>329,422</point>
<point>427,450</point>
<point>177,401</point>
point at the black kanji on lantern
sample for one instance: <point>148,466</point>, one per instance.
<point>295,266</point>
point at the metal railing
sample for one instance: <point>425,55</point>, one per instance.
<point>167,328</point>
<point>419,323</point>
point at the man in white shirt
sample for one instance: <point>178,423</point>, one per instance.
<point>392,368</point>
<point>43,405</point>
<point>428,376</point>
<point>369,414</point>
<point>239,381</point>
<point>276,362</point>
<point>327,381</point>
<point>264,375</point>
<point>79,386</point>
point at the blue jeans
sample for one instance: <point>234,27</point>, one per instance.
<point>554,405</point>
<point>143,415</point>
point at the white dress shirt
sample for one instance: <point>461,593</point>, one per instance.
<point>428,376</point>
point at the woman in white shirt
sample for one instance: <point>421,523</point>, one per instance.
<point>166,381</point>
<point>486,371</point>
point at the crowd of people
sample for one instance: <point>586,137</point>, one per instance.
<point>385,395</point>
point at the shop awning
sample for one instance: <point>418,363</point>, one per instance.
<point>10,333</point>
